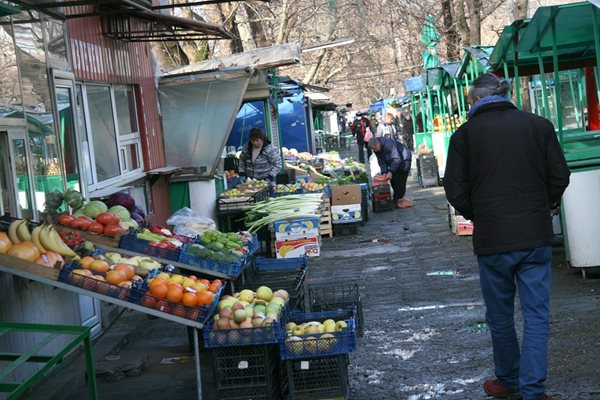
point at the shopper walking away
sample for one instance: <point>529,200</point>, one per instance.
<point>387,129</point>
<point>408,130</point>
<point>259,158</point>
<point>361,130</point>
<point>394,160</point>
<point>505,171</point>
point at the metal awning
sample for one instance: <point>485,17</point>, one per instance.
<point>480,53</point>
<point>414,84</point>
<point>130,20</point>
<point>7,9</point>
<point>450,68</point>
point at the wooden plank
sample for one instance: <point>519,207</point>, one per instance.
<point>28,266</point>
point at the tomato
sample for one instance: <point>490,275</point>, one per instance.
<point>65,219</point>
<point>112,230</point>
<point>5,243</point>
<point>164,245</point>
<point>107,218</point>
<point>86,218</point>
<point>26,250</point>
<point>153,243</point>
<point>95,227</point>
<point>77,223</point>
<point>85,224</point>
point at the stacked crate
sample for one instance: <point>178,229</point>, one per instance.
<point>428,170</point>
<point>326,227</point>
<point>382,197</point>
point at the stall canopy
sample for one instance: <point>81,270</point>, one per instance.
<point>198,112</point>
<point>479,56</point>
<point>414,84</point>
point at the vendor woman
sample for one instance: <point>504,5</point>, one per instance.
<point>259,158</point>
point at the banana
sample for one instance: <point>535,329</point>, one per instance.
<point>12,231</point>
<point>23,231</point>
<point>35,238</point>
<point>52,241</point>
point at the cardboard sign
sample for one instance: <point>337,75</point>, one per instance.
<point>298,247</point>
<point>296,228</point>
<point>346,195</point>
<point>346,214</point>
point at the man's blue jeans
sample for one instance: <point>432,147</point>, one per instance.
<point>501,275</point>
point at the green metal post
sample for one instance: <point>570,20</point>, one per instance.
<point>89,361</point>
<point>505,69</point>
<point>576,104</point>
<point>413,109</point>
<point>458,101</point>
<point>582,98</point>
<point>423,112</point>
<point>557,100</point>
<point>471,69</point>
<point>545,105</point>
<point>430,110</point>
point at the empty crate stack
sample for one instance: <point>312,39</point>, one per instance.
<point>428,170</point>
<point>382,195</point>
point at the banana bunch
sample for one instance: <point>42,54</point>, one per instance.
<point>18,231</point>
<point>45,237</point>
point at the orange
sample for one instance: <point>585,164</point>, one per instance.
<point>159,290</point>
<point>193,277</point>
<point>157,281</point>
<point>174,294</point>
<point>176,285</point>
<point>204,298</point>
<point>189,299</point>
<point>99,266</point>
<point>217,282</point>
<point>128,269</point>
<point>86,261</point>
<point>214,288</point>
<point>205,281</point>
<point>115,277</point>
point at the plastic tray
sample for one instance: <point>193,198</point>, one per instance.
<point>337,297</point>
<point>132,243</point>
<point>312,345</point>
<point>278,264</point>
<point>317,378</point>
<point>127,294</point>
<point>242,336</point>
<point>291,281</point>
<point>197,313</point>
<point>227,268</point>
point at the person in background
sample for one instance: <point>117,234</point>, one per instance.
<point>259,158</point>
<point>375,122</point>
<point>398,122</point>
<point>505,172</point>
<point>361,130</point>
<point>394,160</point>
<point>387,129</point>
<point>408,130</point>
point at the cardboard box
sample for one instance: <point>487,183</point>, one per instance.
<point>346,195</point>
<point>310,246</point>
<point>296,228</point>
<point>346,213</point>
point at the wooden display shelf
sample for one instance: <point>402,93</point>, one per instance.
<point>29,267</point>
<point>94,238</point>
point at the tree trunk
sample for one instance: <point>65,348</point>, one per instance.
<point>474,7</point>
<point>452,38</point>
<point>287,20</point>
<point>520,12</point>
<point>461,22</point>
<point>256,26</point>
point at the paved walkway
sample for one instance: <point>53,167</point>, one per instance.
<point>424,337</point>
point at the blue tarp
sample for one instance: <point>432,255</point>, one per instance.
<point>295,132</point>
<point>414,84</point>
<point>251,115</point>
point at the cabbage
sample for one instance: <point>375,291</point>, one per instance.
<point>121,199</point>
<point>120,212</point>
<point>93,208</point>
<point>130,223</point>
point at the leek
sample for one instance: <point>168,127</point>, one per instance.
<point>274,209</point>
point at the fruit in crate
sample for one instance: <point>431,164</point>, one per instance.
<point>232,193</point>
<point>219,246</point>
<point>291,188</point>
<point>312,186</point>
<point>246,309</point>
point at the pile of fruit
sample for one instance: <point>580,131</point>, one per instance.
<point>219,246</point>
<point>157,236</point>
<point>313,187</point>
<point>184,296</point>
<point>42,245</point>
<point>291,188</point>
<point>239,314</point>
<point>313,337</point>
<point>246,189</point>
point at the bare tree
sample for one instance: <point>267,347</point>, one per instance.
<point>520,12</point>
<point>474,7</point>
<point>451,34</point>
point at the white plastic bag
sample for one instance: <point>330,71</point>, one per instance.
<point>189,223</point>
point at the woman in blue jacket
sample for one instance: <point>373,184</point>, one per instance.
<point>394,159</point>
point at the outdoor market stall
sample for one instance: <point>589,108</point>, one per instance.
<point>562,39</point>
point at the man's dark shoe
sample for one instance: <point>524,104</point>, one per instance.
<point>498,391</point>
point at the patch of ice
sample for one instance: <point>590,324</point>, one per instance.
<point>399,353</point>
<point>422,336</point>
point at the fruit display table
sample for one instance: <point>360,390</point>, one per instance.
<point>31,272</point>
<point>79,335</point>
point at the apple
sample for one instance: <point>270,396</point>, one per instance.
<point>290,326</point>
<point>257,321</point>
<point>281,294</point>
<point>239,316</point>
<point>226,313</point>
<point>237,306</point>
<point>264,293</point>
<point>223,323</point>
<point>247,295</point>
<point>277,300</point>
<point>340,326</point>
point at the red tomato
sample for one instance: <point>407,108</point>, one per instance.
<point>85,223</point>
<point>86,218</point>
<point>164,245</point>
<point>107,218</point>
<point>77,223</point>
<point>95,227</point>
<point>65,220</point>
<point>153,243</point>
<point>112,230</point>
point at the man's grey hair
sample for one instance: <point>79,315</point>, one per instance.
<point>489,85</point>
<point>372,141</point>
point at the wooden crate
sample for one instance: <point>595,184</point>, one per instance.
<point>325,228</point>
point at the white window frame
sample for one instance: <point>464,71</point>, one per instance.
<point>125,175</point>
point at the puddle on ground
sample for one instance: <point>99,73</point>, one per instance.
<point>378,269</point>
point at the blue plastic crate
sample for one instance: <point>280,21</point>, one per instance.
<point>278,264</point>
<point>253,246</point>
<point>243,336</point>
<point>132,243</point>
<point>313,345</point>
<point>227,268</point>
<point>131,295</point>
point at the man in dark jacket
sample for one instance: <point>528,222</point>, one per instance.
<point>505,171</point>
<point>360,126</point>
<point>394,160</point>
